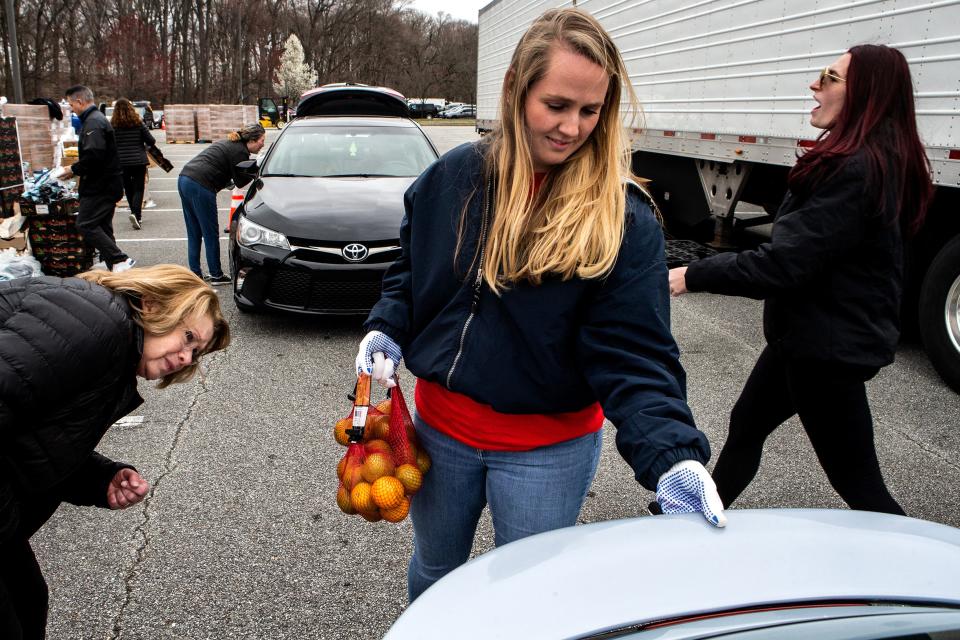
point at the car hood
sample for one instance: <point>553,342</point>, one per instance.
<point>329,209</point>
<point>586,579</point>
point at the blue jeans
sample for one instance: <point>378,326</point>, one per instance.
<point>528,491</point>
<point>200,215</point>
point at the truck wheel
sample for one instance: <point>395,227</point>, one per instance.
<point>939,313</point>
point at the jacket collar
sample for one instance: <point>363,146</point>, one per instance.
<point>87,112</point>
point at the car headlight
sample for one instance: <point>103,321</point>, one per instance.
<point>250,234</point>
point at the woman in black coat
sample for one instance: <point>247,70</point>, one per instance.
<point>132,138</point>
<point>830,277</point>
<point>70,354</point>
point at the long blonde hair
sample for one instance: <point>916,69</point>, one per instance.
<point>162,298</point>
<point>574,225</point>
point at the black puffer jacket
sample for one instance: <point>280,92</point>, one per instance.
<point>130,144</point>
<point>831,274</point>
<point>69,351</point>
<point>98,165</point>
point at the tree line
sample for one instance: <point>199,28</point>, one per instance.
<point>228,51</point>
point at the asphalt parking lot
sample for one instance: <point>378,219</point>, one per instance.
<point>241,536</point>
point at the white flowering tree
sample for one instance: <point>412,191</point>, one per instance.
<point>294,76</point>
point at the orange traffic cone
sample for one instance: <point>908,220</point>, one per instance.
<point>236,198</point>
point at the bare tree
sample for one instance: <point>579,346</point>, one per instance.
<point>230,50</point>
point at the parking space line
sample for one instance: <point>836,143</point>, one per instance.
<point>222,239</point>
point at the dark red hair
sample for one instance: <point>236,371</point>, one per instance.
<point>877,118</point>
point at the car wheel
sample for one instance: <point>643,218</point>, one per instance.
<point>939,313</point>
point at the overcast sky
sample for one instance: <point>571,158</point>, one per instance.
<point>459,9</point>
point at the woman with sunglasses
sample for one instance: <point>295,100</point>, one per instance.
<point>830,278</point>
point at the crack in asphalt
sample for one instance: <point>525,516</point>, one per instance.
<point>141,529</point>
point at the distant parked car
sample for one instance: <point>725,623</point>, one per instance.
<point>423,109</point>
<point>146,113</point>
<point>461,111</point>
<point>158,118</point>
<point>789,574</point>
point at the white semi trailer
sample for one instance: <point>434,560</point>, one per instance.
<point>726,105</point>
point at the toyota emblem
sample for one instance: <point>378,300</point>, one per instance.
<point>355,252</point>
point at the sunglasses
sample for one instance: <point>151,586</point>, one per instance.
<point>826,74</point>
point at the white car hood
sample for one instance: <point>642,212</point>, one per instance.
<point>585,579</point>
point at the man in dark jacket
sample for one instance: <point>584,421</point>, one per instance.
<point>101,184</point>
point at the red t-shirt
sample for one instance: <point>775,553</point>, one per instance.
<point>479,426</point>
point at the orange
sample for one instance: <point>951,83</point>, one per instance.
<point>352,475</point>
<point>379,428</point>
<point>378,446</point>
<point>384,406</point>
<point>387,492</point>
<point>341,466</point>
<point>361,498</point>
<point>377,465</point>
<point>340,431</point>
<point>398,513</point>
<point>373,516</point>
<point>410,477</point>
<point>423,461</point>
<point>343,501</point>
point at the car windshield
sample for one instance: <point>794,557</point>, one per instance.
<point>340,151</point>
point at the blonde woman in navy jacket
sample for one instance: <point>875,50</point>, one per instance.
<point>531,301</point>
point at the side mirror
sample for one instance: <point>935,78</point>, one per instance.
<point>248,168</point>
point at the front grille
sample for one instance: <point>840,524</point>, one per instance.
<point>317,292</point>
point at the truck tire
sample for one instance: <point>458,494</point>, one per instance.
<point>939,313</point>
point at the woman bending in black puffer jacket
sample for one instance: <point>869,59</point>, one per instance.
<point>70,354</point>
<point>132,138</point>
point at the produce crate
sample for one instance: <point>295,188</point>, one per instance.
<point>180,122</point>
<point>54,238</point>
<point>61,208</point>
<point>202,115</point>
<point>33,131</point>
<point>226,118</point>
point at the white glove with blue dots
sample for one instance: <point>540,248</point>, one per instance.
<point>379,356</point>
<point>687,487</point>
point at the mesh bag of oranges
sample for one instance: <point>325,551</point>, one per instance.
<point>384,466</point>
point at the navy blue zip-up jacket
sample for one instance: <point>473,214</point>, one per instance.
<point>555,347</point>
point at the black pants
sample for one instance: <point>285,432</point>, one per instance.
<point>831,401</point>
<point>23,593</point>
<point>133,181</point>
<point>95,222</point>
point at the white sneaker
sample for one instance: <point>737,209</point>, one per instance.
<point>134,222</point>
<point>150,205</point>
<point>123,266</point>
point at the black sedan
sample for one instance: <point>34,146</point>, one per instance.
<point>320,223</point>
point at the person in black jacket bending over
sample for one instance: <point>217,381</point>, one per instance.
<point>100,180</point>
<point>200,180</point>
<point>133,138</point>
<point>830,277</point>
<point>70,354</point>
<point>530,300</point>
